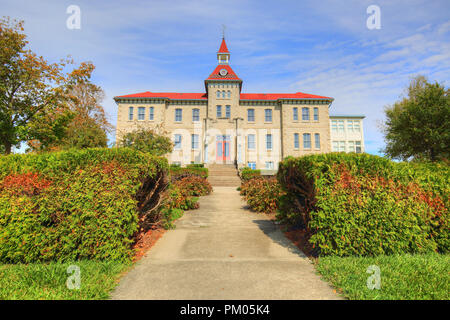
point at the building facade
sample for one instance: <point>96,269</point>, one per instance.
<point>347,134</point>
<point>223,125</point>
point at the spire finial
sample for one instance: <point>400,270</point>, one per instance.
<point>223,31</point>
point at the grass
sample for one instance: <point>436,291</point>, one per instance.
<point>40,281</point>
<point>403,277</point>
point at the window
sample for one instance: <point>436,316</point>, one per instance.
<point>358,146</point>
<point>251,115</point>
<point>268,115</point>
<point>269,141</point>
<point>316,114</point>
<point>219,112</point>
<point>350,125</point>
<point>151,113</point>
<point>251,142</point>
<point>178,115</point>
<point>351,146</point>
<point>317,141</point>
<point>305,114</point>
<point>341,146</point>
<point>177,142</point>
<point>306,141</point>
<point>141,113</point>
<point>334,126</point>
<point>296,141</point>
<point>356,126</point>
<point>194,141</point>
<point>335,146</point>
<point>341,126</point>
<point>269,165</point>
<point>218,94</point>
<point>227,112</point>
<point>295,114</point>
<point>229,94</point>
<point>223,94</point>
<point>130,113</point>
<point>195,115</point>
<point>251,165</point>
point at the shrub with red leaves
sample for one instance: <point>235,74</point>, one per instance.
<point>29,184</point>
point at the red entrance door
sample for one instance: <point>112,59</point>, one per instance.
<point>222,148</point>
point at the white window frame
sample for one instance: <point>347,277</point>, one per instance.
<point>317,141</point>
<point>251,143</point>
<point>151,113</point>
<point>253,115</point>
<point>268,117</point>
<point>296,141</point>
<point>130,113</point>
<point>305,115</point>
<point>177,145</point>
<point>306,140</point>
<point>218,111</point>
<point>269,142</point>
<point>141,113</point>
<point>178,114</point>
<point>195,141</point>
<point>195,115</point>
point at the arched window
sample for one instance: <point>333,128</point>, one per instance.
<point>223,94</point>
<point>218,94</point>
<point>229,94</point>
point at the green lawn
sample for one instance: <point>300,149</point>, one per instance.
<point>415,277</point>
<point>48,281</point>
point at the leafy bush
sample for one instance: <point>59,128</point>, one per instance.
<point>147,140</point>
<point>178,172</point>
<point>262,194</point>
<point>195,165</point>
<point>194,186</point>
<point>183,195</point>
<point>79,204</point>
<point>248,173</point>
<point>359,204</point>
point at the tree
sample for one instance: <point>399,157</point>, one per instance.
<point>147,140</point>
<point>418,126</point>
<point>89,126</point>
<point>34,104</point>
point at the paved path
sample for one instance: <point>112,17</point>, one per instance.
<point>223,251</point>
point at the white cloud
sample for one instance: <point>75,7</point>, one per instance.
<point>317,47</point>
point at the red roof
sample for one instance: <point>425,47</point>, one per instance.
<point>276,96</point>
<point>223,47</point>
<point>215,75</point>
<point>169,95</point>
<point>243,96</point>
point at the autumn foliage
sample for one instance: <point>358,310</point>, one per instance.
<point>89,204</point>
<point>359,204</point>
<point>262,194</point>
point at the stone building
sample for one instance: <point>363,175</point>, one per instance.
<point>347,134</point>
<point>223,125</point>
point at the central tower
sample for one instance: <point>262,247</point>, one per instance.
<point>223,88</point>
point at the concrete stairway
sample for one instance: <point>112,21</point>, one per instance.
<point>223,175</point>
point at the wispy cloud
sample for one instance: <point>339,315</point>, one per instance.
<point>279,46</point>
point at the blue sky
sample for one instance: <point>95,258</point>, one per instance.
<point>319,47</point>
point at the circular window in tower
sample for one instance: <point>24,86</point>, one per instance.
<point>223,72</point>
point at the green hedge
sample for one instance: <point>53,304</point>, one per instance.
<point>248,173</point>
<point>178,172</point>
<point>360,204</point>
<point>262,193</point>
<point>72,205</point>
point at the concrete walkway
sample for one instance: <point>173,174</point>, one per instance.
<point>223,251</point>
